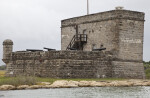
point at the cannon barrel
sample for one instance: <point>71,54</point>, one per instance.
<point>49,49</point>
<point>100,49</point>
<point>33,50</point>
<point>72,48</point>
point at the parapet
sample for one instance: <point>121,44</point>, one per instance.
<point>118,13</point>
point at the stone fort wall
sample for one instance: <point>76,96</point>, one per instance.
<point>71,64</point>
<point>105,28</point>
<point>61,64</point>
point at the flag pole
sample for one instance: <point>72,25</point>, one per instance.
<point>87,7</point>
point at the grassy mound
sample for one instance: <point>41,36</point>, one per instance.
<point>16,81</point>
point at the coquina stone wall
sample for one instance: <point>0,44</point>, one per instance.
<point>72,64</point>
<point>106,28</point>
<point>61,64</point>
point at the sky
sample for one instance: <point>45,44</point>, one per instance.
<point>34,24</point>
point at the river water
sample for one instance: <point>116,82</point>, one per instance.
<point>85,92</point>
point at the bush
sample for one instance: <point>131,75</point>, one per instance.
<point>147,69</point>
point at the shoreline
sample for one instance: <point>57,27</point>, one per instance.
<point>77,84</point>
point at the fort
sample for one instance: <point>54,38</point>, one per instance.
<point>102,45</point>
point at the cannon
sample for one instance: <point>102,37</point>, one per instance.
<point>72,48</point>
<point>33,50</point>
<point>49,49</point>
<point>99,49</point>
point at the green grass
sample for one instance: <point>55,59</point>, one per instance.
<point>147,69</point>
<point>22,80</point>
<point>147,73</point>
<point>2,73</point>
<point>16,81</point>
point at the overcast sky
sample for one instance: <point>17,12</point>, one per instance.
<point>34,24</point>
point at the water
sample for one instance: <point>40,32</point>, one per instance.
<point>88,92</point>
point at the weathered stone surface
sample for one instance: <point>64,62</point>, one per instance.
<point>23,87</point>
<point>120,83</point>
<point>35,87</point>
<point>45,83</point>
<point>7,87</point>
<point>64,84</point>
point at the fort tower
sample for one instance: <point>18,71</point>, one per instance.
<point>7,50</point>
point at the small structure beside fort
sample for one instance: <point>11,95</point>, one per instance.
<point>102,45</point>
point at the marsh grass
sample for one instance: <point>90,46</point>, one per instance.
<point>147,69</point>
<point>22,80</point>
<point>16,81</point>
<point>31,80</point>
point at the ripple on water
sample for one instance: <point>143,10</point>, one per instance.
<point>85,92</point>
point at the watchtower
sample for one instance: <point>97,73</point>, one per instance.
<point>7,49</point>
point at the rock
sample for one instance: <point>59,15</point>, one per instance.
<point>64,84</point>
<point>98,84</point>
<point>22,87</point>
<point>70,84</point>
<point>141,83</point>
<point>44,83</point>
<point>120,84</point>
<point>73,83</point>
<point>146,84</point>
<point>7,87</point>
<point>34,87</point>
<point>84,84</point>
<point>59,83</point>
<point>46,86</point>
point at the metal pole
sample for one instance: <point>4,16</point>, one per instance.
<point>87,7</point>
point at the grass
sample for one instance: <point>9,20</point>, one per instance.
<point>2,73</point>
<point>22,80</point>
<point>16,81</point>
<point>147,69</point>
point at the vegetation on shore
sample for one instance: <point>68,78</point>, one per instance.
<point>2,73</point>
<point>147,69</point>
<point>22,80</point>
<point>3,67</point>
<point>16,81</point>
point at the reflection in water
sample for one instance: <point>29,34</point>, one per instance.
<point>88,92</point>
